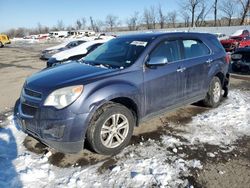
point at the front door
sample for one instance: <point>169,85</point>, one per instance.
<point>162,83</point>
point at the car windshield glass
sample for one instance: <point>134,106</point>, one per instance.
<point>117,53</point>
<point>237,33</point>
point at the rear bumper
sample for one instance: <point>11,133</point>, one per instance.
<point>64,133</point>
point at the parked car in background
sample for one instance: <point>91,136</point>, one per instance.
<point>233,42</point>
<point>4,39</point>
<point>47,53</point>
<point>241,33</point>
<point>75,53</point>
<point>124,81</point>
<point>245,42</point>
<point>241,60</point>
<point>221,36</point>
<point>58,34</point>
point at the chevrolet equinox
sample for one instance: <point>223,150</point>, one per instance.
<point>101,99</point>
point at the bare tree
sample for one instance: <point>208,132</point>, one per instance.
<point>201,17</point>
<point>60,25</point>
<point>146,18</point>
<point>161,17</point>
<point>83,23</point>
<point>153,16</point>
<point>149,17</point>
<point>78,24</point>
<point>111,21</point>
<point>39,27</point>
<point>172,17</point>
<point>245,7</point>
<point>186,18</point>
<point>215,6</point>
<point>99,26</point>
<point>133,21</point>
<point>192,6</point>
<point>92,23</point>
<point>229,9</point>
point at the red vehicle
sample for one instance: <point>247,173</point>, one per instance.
<point>233,42</point>
<point>245,43</point>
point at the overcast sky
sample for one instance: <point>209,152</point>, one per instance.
<point>27,13</point>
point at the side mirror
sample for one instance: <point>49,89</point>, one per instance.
<point>157,61</point>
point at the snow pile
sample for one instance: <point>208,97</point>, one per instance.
<point>150,163</point>
<point>221,126</point>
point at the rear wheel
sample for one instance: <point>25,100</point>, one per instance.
<point>1,44</point>
<point>214,93</point>
<point>110,129</point>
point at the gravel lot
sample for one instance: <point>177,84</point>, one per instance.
<point>220,169</point>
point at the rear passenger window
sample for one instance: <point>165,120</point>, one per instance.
<point>195,48</point>
<point>167,49</point>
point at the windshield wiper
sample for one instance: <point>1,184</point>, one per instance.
<point>96,64</point>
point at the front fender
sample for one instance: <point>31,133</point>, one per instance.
<point>96,97</point>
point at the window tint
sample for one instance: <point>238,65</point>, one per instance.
<point>195,48</point>
<point>217,44</point>
<point>167,49</point>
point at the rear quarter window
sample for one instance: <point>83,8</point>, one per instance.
<point>217,46</point>
<point>195,48</point>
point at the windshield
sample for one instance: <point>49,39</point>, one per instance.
<point>237,33</point>
<point>117,53</point>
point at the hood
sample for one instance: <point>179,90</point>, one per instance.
<point>78,50</point>
<point>64,75</point>
<point>62,45</point>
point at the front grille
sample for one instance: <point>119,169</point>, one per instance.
<point>32,93</point>
<point>28,110</point>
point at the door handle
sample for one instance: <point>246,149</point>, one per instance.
<point>209,61</point>
<point>181,69</point>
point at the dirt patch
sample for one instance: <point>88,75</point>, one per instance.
<point>107,165</point>
<point>17,63</point>
<point>34,146</point>
<point>235,173</point>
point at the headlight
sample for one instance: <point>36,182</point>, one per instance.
<point>53,51</point>
<point>63,97</point>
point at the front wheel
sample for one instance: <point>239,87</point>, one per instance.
<point>111,129</point>
<point>214,93</point>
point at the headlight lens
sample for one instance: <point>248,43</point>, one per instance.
<point>53,51</point>
<point>63,97</point>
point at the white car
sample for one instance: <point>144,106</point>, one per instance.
<point>75,53</point>
<point>48,52</point>
<point>221,36</point>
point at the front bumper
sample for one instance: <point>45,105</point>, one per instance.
<point>45,56</point>
<point>60,129</point>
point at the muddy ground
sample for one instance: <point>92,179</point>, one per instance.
<point>225,170</point>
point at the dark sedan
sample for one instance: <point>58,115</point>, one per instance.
<point>241,60</point>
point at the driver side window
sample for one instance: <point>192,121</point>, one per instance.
<point>167,49</point>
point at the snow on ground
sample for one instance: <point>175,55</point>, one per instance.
<point>146,164</point>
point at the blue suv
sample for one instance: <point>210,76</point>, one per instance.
<point>128,79</point>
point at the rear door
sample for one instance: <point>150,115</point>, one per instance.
<point>162,83</point>
<point>195,66</point>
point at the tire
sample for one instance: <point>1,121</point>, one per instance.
<point>103,136</point>
<point>214,93</point>
<point>225,94</point>
<point>1,44</point>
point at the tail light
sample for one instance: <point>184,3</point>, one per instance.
<point>228,58</point>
